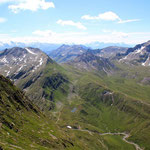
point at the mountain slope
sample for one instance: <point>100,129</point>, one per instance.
<point>23,126</point>
<point>139,55</point>
<point>96,106</point>
<point>32,71</point>
<point>90,62</point>
<point>109,51</point>
<point>67,52</point>
<point>18,62</point>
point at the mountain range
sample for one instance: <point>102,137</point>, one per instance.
<point>140,54</point>
<point>101,45</point>
<point>46,47</point>
<point>66,53</point>
<point>94,99</point>
<point>34,72</point>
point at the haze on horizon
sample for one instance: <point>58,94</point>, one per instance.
<point>78,22</point>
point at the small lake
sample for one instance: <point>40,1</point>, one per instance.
<point>74,109</point>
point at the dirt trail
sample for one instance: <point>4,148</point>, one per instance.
<point>59,115</point>
<point>124,138</point>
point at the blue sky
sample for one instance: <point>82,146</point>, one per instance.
<point>80,22</point>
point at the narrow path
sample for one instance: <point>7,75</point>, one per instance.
<point>59,115</point>
<point>124,138</point>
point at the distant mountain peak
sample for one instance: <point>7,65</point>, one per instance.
<point>90,62</point>
<point>15,60</point>
<point>67,52</point>
<point>140,54</point>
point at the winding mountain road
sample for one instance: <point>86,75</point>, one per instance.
<point>124,138</point>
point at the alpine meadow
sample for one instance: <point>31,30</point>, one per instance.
<point>74,75</point>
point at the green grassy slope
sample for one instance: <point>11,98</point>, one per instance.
<point>119,111</point>
<point>90,102</point>
<point>47,86</point>
<point>23,126</point>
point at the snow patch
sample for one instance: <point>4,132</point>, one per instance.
<point>19,68</point>
<point>8,73</point>
<point>25,61</point>
<point>30,51</point>
<point>144,64</point>
<point>69,127</point>
<point>41,61</point>
<point>4,60</point>
<point>139,50</point>
<point>20,59</point>
<point>14,59</point>
<point>123,58</point>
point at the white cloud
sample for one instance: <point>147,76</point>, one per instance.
<point>5,1</point>
<point>108,16</point>
<point>2,20</point>
<point>48,36</point>
<point>126,21</point>
<point>117,34</point>
<point>120,34</point>
<point>79,25</point>
<point>104,16</point>
<point>46,33</point>
<point>32,5</point>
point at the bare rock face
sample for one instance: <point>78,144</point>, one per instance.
<point>17,63</point>
<point>146,80</point>
<point>110,51</point>
<point>90,62</point>
<point>30,68</point>
<point>139,55</point>
<point>66,53</point>
<point>24,66</point>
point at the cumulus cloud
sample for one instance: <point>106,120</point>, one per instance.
<point>32,5</point>
<point>108,16</point>
<point>104,16</point>
<point>79,25</point>
<point>2,20</point>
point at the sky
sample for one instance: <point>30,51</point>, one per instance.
<point>75,21</point>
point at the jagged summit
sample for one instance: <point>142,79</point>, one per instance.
<point>140,54</point>
<point>32,70</point>
<point>22,60</point>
